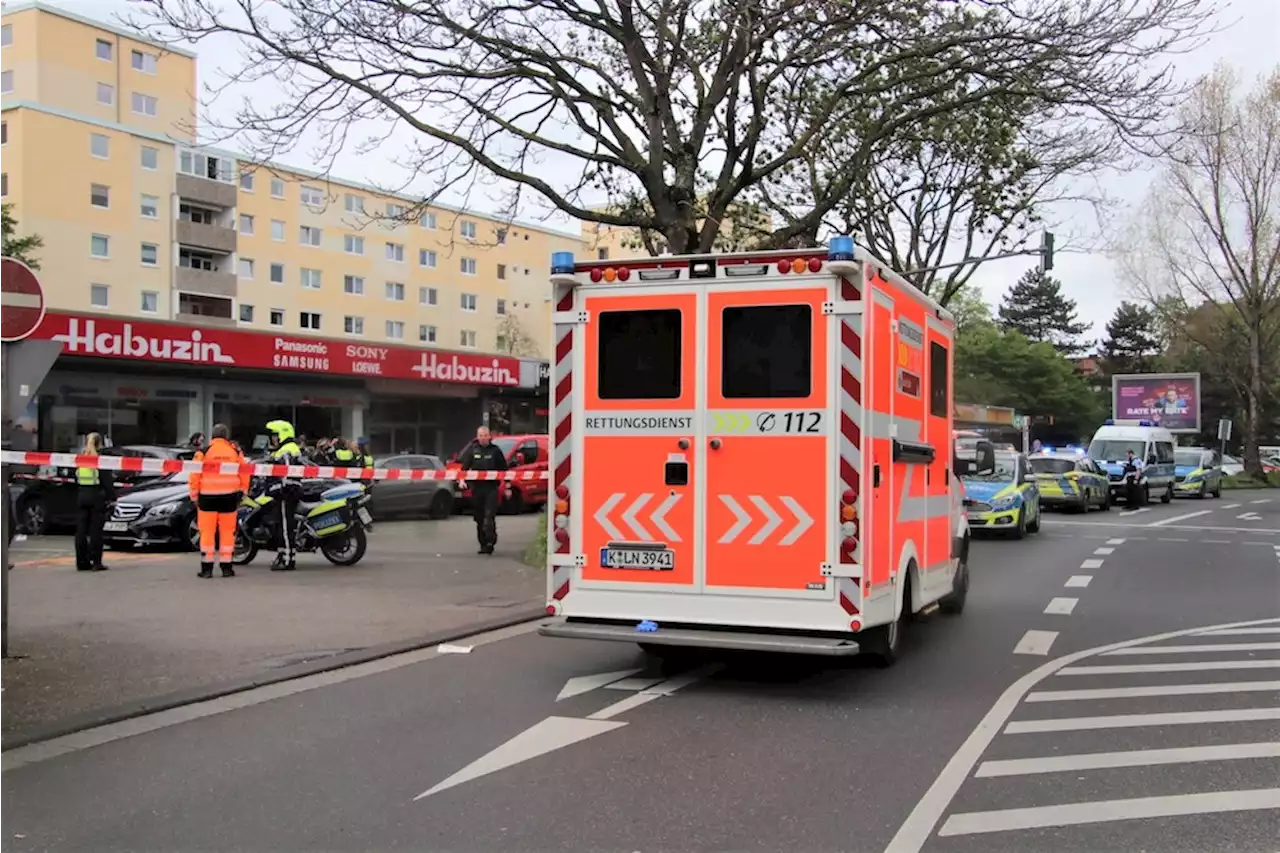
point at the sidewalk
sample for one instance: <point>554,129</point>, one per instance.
<point>92,646</point>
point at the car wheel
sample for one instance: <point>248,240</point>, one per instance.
<point>442,505</point>
<point>1033,526</point>
<point>1168,495</point>
<point>193,534</point>
<point>33,517</point>
<point>1020,531</point>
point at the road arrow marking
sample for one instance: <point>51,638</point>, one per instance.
<point>547,736</point>
<point>772,524</point>
<point>602,515</point>
<point>659,517</point>
<point>630,517</point>
<point>586,683</point>
<point>803,521</point>
<point>743,520</point>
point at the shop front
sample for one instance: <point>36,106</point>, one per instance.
<point>141,382</point>
<point>522,410</point>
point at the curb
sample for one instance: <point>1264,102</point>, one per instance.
<point>139,708</point>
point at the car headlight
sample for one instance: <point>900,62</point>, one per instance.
<point>1193,477</point>
<point>1004,503</point>
<point>163,510</point>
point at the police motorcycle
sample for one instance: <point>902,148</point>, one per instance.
<point>337,525</point>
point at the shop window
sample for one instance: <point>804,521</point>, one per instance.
<point>766,352</point>
<point>640,355</point>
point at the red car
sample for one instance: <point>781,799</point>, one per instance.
<point>524,453</point>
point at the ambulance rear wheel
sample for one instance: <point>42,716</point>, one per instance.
<point>952,603</point>
<point>884,641</point>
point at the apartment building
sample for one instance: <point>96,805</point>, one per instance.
<point>190,286</point>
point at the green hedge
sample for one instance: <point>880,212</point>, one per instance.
<point>536,554</point>
<point>1245,481</point>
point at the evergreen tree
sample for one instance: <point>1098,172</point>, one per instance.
<point>1132,343</point>
<point>18,248</point>
<point>1036,308</point>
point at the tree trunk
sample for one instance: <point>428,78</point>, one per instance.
<point>1252,458</point>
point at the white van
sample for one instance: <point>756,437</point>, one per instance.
<point>1153,444</point>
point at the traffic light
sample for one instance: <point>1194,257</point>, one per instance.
<point>1046,251</point>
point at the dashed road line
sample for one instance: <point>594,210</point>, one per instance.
<point>1091,564</point>
<point>1061,606</point>
<point>1136,511</point>
<point>1176,518</point>
<point>1171,539</point>
<point>1035,643</point>
<point>1115,541</point>
<point>1078,581</point>
<point>1249,516</point>
<point>1261,501</point>
<point>1102,552</point>
<point>1232,506</point>
<point>1195,649</point>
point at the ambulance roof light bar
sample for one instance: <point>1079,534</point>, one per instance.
<point>562,269</point>
<point>841,257</point>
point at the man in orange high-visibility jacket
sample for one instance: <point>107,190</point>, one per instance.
<point>217,496</point>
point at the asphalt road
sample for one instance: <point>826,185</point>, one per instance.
<point>980,739</point>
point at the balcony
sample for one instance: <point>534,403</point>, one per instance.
<point>201,235</point>
<point>207,282</point>
<point>205,191</point>
<point>205,310</point>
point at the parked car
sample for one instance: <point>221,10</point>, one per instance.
<point>432,498</point>
<point>524,453</point>
<point>1232,466</point>
<point>46,498</point>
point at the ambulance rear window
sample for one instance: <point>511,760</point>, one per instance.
<point>766,352</point>
<point>639,355</point>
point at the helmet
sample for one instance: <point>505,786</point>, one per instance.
<point>361,441</point>
<point>282,430</point>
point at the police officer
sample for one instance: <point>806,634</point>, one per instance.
<point>362,450</point>
<point>286,491</point>
<point>217,498</point>
<point>93,493</point>
<point>484,455</point>
<point>343,455</point>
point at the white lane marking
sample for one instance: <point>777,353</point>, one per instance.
<point>1103,811</point>
<point>1249,516</point>
<point>1238,632</point>
<point>1096,693</point>
<point>1261,501</point>
<point>1227,542</point>
<point>1198,666</point>
<point>45,750</point>
<point>1193,649</point>
<point>1171,539</point>
<point>1232,506</point>
<point>586,683</point>
<point>1136,511</point>
<point>1128,758</point>
<point>1078,581</point>
<point>679,682</point>
<point>624,705</point>
<point>1102,552</point>
<point>914,832</point>
<point>1065,522</point>
<point>1091,564</point>
<point>1035,643</point>
<point>1061,606</point>
<point>1162,522</point>
<point>1141,721</point>
<point>1115,541</point>
<point>633,683</point>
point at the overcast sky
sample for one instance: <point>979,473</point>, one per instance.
<point>1249,33</point>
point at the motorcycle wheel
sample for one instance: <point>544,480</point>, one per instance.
<point>345,550</point>
<point>246,550</point>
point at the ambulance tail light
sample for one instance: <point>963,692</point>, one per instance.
<point>849,527</point>
<point>562,517</point>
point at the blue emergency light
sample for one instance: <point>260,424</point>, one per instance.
<point>840,249</point>
<point>562,263</point>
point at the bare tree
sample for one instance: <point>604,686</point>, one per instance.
<point>515,340</point>
<point>1206,244</point>
<point>668,111</point>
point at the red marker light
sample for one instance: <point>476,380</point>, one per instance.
<point>784,266</point>
<point>562,492</point>
<point>597,275</point>
<point>815,264</point>
<point>623,273</point>
<point>848,497</point>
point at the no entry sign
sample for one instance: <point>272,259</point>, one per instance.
<point>21,300</point>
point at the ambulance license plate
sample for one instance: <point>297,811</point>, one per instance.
<point>645,559</point>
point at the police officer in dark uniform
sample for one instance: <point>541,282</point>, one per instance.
<point>484,455</point>
<point>93,494</point>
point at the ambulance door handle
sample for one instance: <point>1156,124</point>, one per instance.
<point>715,444</point>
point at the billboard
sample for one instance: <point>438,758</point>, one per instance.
<point>1170,399</point>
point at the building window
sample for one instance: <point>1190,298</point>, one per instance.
<point>99,146</point>
<point>308,235</point>
<point>277,230</point>
<point>396,211</point>
<point>353,284</point>
<point>106,93</point>
<point>500,343</point>
<point>194,260</point>
<point>4,183</point>
<point>4,133</point>
<point>468,229</point>
<point>468,302</point>
<point>312,196</point>
<point>353,325</point>
<point>103,49</point>
<point>502,271</point>
<point>149,207</point>
<point>353,203</point>
<point>6,81</point>
<point>277,188</point>
<point>427,220</point>
<point>276,317</point>
<point>100,246</point>
<point>352,245</point>
<point>150,302</point>
<point>395,330</point>
<point>6,35</point>
<point>602,254</point>
<point>276,274</point>
<point>144,105</point>
<point>206,166</point>
<point>468,266</point>
<point>309,320</point>
<point>246,313</point>
<point>467,339</point>
<point>245,268</point>
<point>395,252</point>
<point>144,62</point>
<point>246,224</point>
<point>426,334</point>
<point>150,254</point>
<point>99,295</point>
<point>426,258</point>
<point>310,279</point>
<point>395,291</point>
<point>196,214</point>
<point>99,195</point>
<point>150,157</point>
<point>502,306</point>
<point>427,296</point>
<point>502,236</point>
<point>246,181</point>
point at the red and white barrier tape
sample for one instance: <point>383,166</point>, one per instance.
<point>148,465</point>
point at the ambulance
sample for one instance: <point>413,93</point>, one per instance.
<point>752,451</point>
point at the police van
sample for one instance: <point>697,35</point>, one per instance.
<point>1151,443</point>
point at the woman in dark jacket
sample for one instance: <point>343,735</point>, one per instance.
<point>95,492</point>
